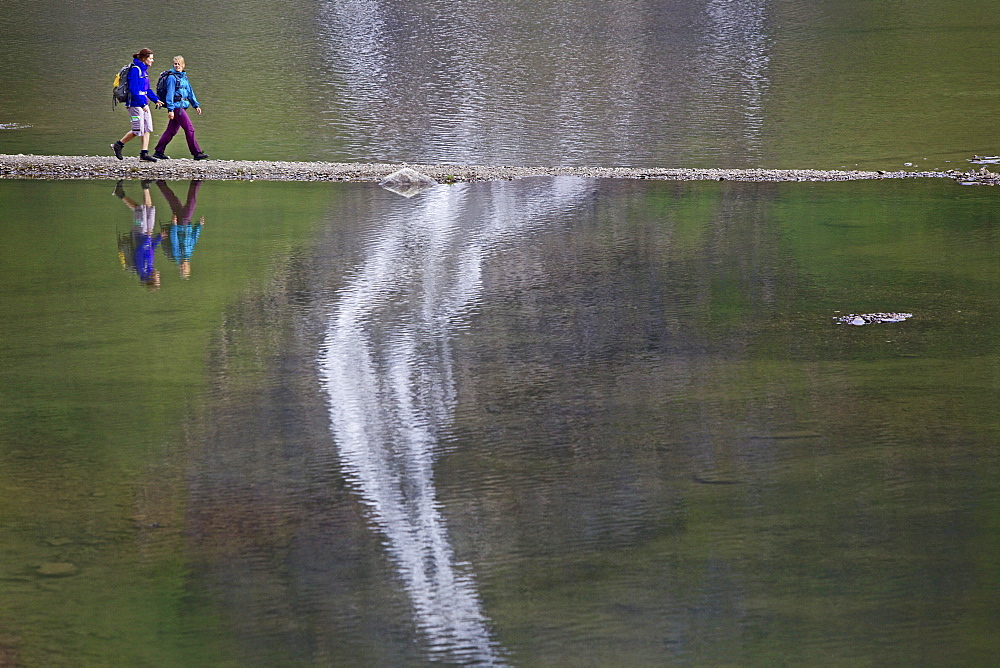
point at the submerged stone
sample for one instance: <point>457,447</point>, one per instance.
<point>787,435</point>
<point>57,569</point>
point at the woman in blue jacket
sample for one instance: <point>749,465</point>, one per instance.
<point>139,95</point>
<point>179,96</point>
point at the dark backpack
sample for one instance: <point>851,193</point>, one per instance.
<point>161,86</point>
<point>119,90</point>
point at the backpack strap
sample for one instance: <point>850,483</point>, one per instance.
<point>177,85</point>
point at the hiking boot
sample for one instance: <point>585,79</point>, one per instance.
<point>160,156</point>
<point>117,148</point>
<point>201,156</point>
<point>119,191</point>
<point>147,157</point>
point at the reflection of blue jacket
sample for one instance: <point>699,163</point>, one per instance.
<point>178,84</point>
<point>143,256</point>
<point>138,85</point>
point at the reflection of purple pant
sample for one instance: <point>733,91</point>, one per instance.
<point>180,120</point>
<point>183,213</point>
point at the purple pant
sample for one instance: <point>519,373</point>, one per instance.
<point>180,120</point>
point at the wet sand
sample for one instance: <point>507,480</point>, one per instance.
<point>108,167</point>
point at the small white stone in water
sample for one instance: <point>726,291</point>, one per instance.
<point>869,318</point>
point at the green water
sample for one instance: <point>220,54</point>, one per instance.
<point>99,375</point>
<point>658,446</point>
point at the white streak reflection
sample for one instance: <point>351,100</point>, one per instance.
<point>387,368</point>
<point>735,64</point>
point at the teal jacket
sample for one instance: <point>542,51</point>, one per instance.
<point>180,95</point>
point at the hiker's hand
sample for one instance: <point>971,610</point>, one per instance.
<point>198,109</point>
<point>170,115</point>
<point>159,104</point>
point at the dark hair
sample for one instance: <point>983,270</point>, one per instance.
<point>143,54</point>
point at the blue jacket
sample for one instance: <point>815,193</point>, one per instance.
<point>178,84</point>
<point>139,93</point>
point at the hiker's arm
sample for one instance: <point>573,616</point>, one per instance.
<point>194,99</point>
<point>151,94</point>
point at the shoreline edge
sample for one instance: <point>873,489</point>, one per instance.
<point>60,167</point>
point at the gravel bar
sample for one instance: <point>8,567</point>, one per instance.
<point>108,167</point>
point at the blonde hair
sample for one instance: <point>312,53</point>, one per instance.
<point>181,59</point>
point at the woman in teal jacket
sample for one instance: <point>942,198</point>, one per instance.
<point>180,95</point>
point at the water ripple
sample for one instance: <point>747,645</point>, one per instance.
<point>566,83</point>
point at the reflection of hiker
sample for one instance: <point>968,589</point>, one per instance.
<point>138,105</point>
<point>179,96</point>
<point>181,235</point>
<point>136,250</point>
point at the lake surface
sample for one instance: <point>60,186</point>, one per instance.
<point>550,421</point>
<point>666,83</point>
<point>553,421</point>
